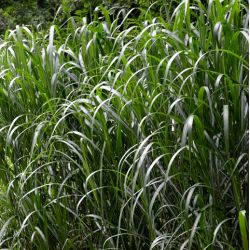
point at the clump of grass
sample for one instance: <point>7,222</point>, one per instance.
<point>127,135</point>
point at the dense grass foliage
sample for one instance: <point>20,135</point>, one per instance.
<point>44,12</point>
<point>127,135</point>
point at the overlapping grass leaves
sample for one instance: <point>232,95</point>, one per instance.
<point>127,135</point>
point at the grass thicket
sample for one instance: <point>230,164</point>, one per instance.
<point>127,135</point>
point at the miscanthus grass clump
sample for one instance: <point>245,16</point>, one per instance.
<point>127,134</point>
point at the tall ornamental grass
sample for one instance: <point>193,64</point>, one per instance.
<point>127,133</point>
